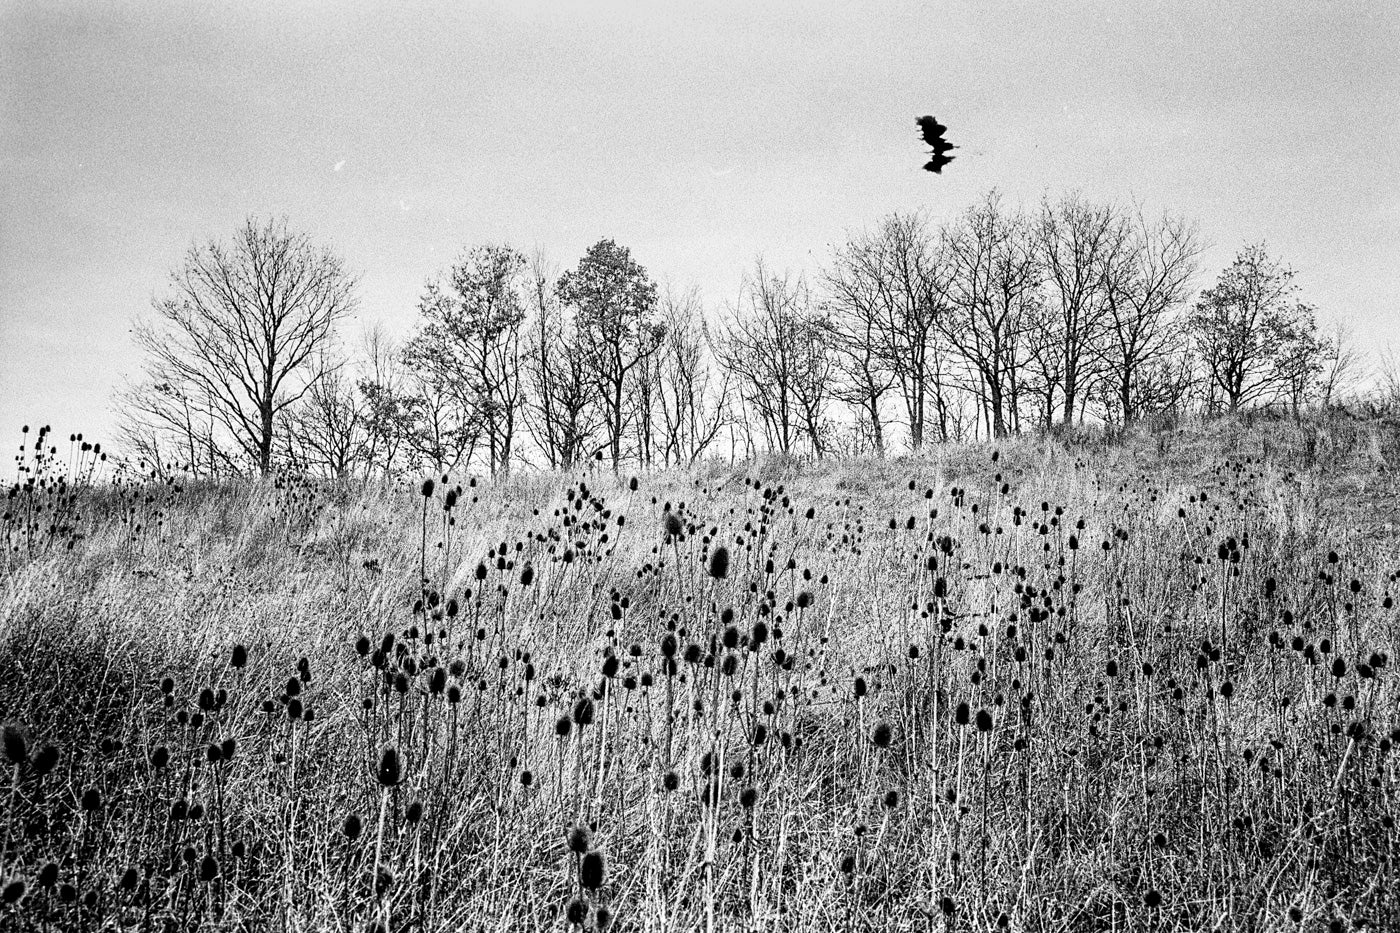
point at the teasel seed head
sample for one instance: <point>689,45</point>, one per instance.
<point>882,735</point>
<point>591,870</point>
<point>389,772</point>
<point>719,562</point>
<point>16,743</point>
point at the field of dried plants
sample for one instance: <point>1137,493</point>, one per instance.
<point>1073,683</point>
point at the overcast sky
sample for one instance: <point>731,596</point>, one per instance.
<point>698,135</point>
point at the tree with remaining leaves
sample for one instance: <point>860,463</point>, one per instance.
<point>1305,355</point>
<point>241,338</point>
<point>1250,330</point>
<point>613,300</point>
<point>561,413</point>
<point>388,418</point>
<point>469,343</point>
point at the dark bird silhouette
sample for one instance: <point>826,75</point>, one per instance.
<point>933,135</point>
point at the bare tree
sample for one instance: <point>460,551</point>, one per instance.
<point>1079,242</point>
<point>855,324</point>
<point>1387,376</point>
<point>240,338</point>
<point>160,427</point>
<point>994,284</point>
<point>887,289</point>
<point>644,397</point>
<point>442,436</point>
<point>775,347</point>
<point>1341,364</point>
<point>691,396</point>
<point>327,430</point>
<point>1040,377</point>
<point>1145,283</point>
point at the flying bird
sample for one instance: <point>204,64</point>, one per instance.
<point>933,135</point>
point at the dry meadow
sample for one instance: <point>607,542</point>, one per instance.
<point>1144,682</point>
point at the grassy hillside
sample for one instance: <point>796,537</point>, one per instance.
<point>1052,684</point>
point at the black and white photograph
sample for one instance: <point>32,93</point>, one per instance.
<point>572,466</point>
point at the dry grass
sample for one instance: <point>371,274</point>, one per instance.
<point>1054,685</point>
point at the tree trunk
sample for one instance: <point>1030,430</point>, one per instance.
<point>1071,390</point>
<point>995,405</point>
<point>265,438</point>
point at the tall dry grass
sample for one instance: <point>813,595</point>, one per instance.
<point>1048,685</point>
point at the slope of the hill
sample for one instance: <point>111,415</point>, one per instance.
<point>1070,682</point>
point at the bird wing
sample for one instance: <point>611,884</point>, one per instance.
<point>932,130</point>
<point>936,164</point>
